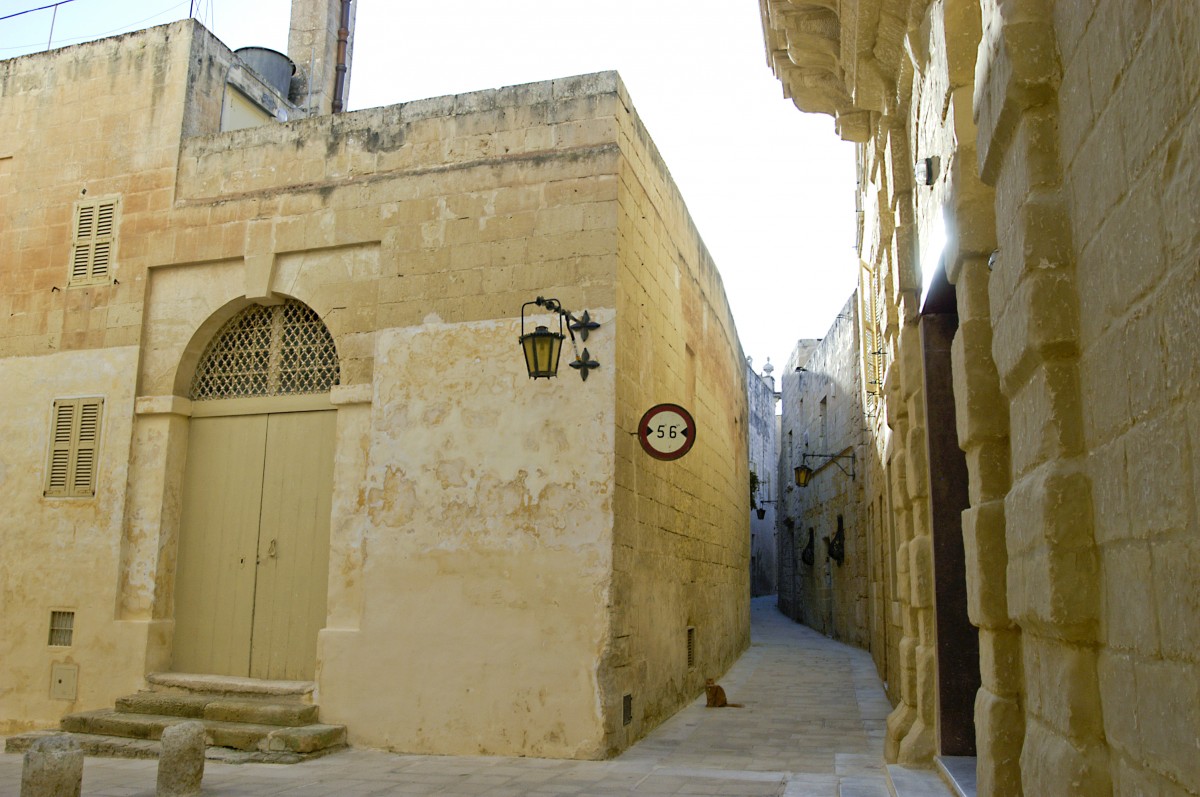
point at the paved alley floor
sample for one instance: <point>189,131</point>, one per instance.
<point>812,726</point>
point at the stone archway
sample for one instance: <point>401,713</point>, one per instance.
<point>251,579</point>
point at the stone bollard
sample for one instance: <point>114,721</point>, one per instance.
<point>181,763</point>
<point>53,767</point>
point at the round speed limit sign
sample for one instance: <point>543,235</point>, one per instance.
<point>667,431</point>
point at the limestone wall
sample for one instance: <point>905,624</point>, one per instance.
<point>681,533</point>
<point>822,415</point>
<point>94,120</point>
<point>764,459</point>
<point>472,551</point>
<point>107,117</point>
<point>1064,137</point>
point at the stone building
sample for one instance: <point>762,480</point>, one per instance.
<point>764,453</point>
<point>266,415</point>
<point>822,426</point>
<point>1028,176</point>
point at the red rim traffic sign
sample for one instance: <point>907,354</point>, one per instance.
<point>667,431</point>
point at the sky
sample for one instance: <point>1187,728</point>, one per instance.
<point>770,189</point>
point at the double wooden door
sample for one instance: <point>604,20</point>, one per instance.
<point>252,571</point>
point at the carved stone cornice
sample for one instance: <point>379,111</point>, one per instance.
<point>839,57</point>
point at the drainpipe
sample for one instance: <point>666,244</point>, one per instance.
<point>339,83</point>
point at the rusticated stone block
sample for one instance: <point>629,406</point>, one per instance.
<point>53,767</point>
<point>181,763</point>
<point>898,723</point>
<point>981,411</point>
<point>1051,764</point>
<point>1168,693</point>
<point>1062,687</point>
<point>986,563</point>
<point>1046,416</point>
<point>988,469</point>
<point>927,686</point>
<point>1176,583</point>
<point>1000,729</point>
<point>1000,666</point>
<point>920,552</point>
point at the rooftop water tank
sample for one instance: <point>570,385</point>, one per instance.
<point>275,68</point>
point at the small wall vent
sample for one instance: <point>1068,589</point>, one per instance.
<point>62,629</point>
<point>691,647</point>
<point>627,710</point>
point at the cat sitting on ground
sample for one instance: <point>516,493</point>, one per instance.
<point>716,696</point>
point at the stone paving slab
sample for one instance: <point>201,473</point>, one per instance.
<point>812,726</point>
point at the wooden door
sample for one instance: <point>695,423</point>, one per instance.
<point>254,545</point>
<point>293,545</point>
<point>218,541</point>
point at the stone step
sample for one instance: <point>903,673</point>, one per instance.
<point>123,747</point>
<point>231,686</point>
<point>245,736</point>
<point>223,709</point>
<point>905,781</point>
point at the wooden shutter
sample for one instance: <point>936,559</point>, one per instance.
<point>94,239</point>
<point>74,448</point>
<point>58,471</point>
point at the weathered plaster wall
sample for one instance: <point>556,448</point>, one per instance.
<point>61,554</point>
<point>822,414</point>
<point>681,534</point>
<point>486,569</point>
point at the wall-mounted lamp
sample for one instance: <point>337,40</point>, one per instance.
<point>926,170</point>
<point>543,346</point>
<point>804,473</point>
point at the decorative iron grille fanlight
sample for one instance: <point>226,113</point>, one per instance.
<point>280,350</point>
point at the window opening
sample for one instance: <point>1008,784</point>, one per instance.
<point>74,440</point>
<point>93,242</point>
<point>279,350</point>
<point>62,628</point>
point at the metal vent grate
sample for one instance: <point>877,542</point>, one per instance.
<point>268,351</point>
<point>62,628</point>
<point>691,647</point>
<point>627,710</point>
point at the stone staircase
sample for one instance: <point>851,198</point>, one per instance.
<point>245,720</point>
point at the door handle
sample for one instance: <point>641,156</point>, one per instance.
<point>271,549</point>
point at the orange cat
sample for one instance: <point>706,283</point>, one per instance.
<point>716,696</point>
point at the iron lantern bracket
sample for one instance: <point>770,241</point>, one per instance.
<point>831,458</point>
<point>582,324</point>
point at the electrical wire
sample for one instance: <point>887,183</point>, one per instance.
<point>91,36</point>
<point>42,8</point>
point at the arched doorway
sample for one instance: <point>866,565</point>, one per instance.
<point>252,571</point>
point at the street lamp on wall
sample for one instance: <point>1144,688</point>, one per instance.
<point>803,473</point>
<point>543,345</point>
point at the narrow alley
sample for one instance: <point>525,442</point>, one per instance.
<point>812,725</point>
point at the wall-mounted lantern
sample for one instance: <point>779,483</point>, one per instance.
<point>543,345</point>
<point>837,543</point>
<point>804,473</point>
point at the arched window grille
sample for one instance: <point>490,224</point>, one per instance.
<point>280,350</point>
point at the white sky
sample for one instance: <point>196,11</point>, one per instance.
<point>770,189</point>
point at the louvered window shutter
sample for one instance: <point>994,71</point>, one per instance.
<point>59,469</point>
<point>95,234</point>
<point>74,443</point>
<point>83,475</point>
